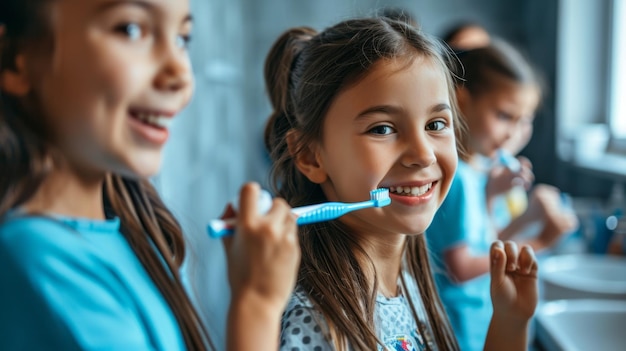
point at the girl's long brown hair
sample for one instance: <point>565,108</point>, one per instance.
<point>24,159</point>
<point>304,71</point>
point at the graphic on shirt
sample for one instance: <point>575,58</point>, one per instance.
<point>400,343</point>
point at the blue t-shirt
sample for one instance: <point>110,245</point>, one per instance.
<point>75,284</point>
<point>304,328</point>
<point>463,220</point>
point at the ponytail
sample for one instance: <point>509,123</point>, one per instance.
<point>281,80</point>
<point>278,81</point>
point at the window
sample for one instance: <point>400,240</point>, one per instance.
<point>618,71</point>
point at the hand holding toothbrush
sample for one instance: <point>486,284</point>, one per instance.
<point>510,172</point>
<point>263,258</point>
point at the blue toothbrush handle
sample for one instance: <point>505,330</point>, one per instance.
<point>327,211</point>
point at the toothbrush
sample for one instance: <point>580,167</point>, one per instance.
<point>507,160</point>
<point>309,214</point>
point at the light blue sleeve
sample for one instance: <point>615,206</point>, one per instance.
<point>57,295</point>
<point>303,328</point>
<point>449,226</point>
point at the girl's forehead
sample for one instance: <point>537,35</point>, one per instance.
<point>403,64</point>
<point>70,8</point>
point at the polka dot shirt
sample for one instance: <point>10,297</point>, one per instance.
<point>304,329</point>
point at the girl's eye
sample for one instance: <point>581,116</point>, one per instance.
<point>435,125</point>
<point>504,116</point>
<point>381,130</point>
<point>131,30</point>
<point>182,40</point>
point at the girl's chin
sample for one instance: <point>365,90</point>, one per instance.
<point>144,167</point>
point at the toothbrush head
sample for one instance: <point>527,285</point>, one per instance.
<point>380,197</point>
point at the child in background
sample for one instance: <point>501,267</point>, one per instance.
<point>368,104</point>
<point>90,256</point>
<point>467,36</point>
<point>497,92</point>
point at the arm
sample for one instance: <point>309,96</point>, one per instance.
<point>545,206</point>
<point>448,235</point>
<point>263,258</point>
<point>252,324</point>
<point>514,295</point>
<point>463,266</point>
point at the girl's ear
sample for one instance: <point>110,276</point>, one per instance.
<point>15,81</point>
<point>306,159</point>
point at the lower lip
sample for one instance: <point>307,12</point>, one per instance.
<point>152,134</point>
<point>413,200</point>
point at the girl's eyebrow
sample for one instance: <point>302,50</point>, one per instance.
<point>386,109</point>
<point>139,3</point>
<point>391,110</point>
<point>105,6</point>
<point>440,107</point>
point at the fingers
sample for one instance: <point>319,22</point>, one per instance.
<point>498,261</point>
<point>276,223</point>
<point>248,199</point>
<point>525,176</point>
<point>525,162</point>
<point>508,258</point>
<point>527,262</point>
<point>510,248</point>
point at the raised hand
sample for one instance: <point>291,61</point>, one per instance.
<point>514,291</point>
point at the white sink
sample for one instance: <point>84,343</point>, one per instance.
<point>581,325</point>
<point>583,276</point>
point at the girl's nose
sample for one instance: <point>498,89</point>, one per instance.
<point>175,71</point>
<point>419,153</point>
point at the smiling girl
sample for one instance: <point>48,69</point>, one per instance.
<point>90,256</point>
<point>367,104</point>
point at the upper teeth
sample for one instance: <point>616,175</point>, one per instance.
<point>157,120</point>
<point>411,190</point>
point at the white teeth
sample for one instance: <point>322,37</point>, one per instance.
<point>413,191</point>
<point>156,120</point>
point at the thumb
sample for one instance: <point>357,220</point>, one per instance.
<point>497,262</point>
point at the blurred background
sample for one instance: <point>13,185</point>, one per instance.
<point>216,146</point>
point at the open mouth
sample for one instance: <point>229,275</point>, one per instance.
<point>152,119</point>
<point>412,191</point>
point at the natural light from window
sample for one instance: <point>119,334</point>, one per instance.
<point>618,84</point>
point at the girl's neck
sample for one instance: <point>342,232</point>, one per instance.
<point>69,192</point>
<point>386,255</point>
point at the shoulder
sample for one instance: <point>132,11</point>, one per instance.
<point>37,244</point>
<point>302,325</point>
<point>30,239</point>
<point>54,276</point>
<point>33,254</point>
